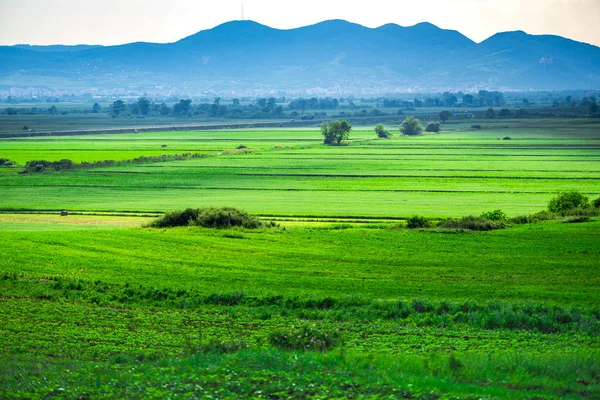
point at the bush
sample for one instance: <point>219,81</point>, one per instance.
<point>596,203</point>
<point>496,215</point>
<point>210,217</point>
<point>411,126</point>
<point>506,138</point>
<point>475,126</point>
<point>381,132</point>
<point>417,222</point>
<point>568,201</point>
<point>5,162</point>
<point>472,223</point>
<point>433,127</point>
<point>305,338</point>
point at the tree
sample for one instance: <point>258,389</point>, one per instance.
<point>335,131</point>
<point>490,113</point>
<point>381,132</point>
<point>96,108</point>
<point>143,106</point>
<point>445,115</point>
<point>117,108</point>
<point>468,99</point>
<point>593,108</point>
<point>504,113</point>
<point>433,127</point>
<point>182,108</point>
<point>411,126</point>
<point>52,110</point>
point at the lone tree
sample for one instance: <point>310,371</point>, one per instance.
<point>411,126</point>
<point>335,131</point>
<point>445,115</point>
<point>381,132</point>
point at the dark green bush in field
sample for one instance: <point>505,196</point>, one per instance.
<point>5,162</point>
<point>506,138</point>
<point>537,217</point>
<point>417,221</point>
<point>568,201</point>
<point>477,127</point>
<point>411,126</point>
<point>472,223</point>
<point>432,127</point>
<point>496,215</point>
<point>210,217</point>
<point>596,203</point>
<point>305,338</point>
<point>381,132</point>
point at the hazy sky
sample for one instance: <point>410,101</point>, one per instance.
<point>123,21</point>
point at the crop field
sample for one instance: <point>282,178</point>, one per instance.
<point>340,300</point>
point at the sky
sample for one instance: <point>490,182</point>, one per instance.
<point>110,22</point>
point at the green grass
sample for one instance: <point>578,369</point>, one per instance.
<point>93,305</point>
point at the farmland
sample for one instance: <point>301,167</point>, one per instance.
<point>96,304</point>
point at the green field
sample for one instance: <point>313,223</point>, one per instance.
<point>339,301</point>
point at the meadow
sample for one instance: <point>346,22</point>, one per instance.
<point>339,301</point>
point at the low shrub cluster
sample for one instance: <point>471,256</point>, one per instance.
<point>472,223</point>
<point>432,127</point>
<point>417,221</point>
<point>304,338</point>
<point>5,162</point>
<point>210,217</point>
<point>66,164</point>
<point>568,201</point>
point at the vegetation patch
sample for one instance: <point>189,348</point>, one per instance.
<point>210,217</point>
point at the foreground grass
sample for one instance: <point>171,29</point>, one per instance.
<point>277,374</point>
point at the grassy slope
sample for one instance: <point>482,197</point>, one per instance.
<point>128,312</point>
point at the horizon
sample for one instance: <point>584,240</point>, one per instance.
<point>300,27</point>
<point>70,23</point>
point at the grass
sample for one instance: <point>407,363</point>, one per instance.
<point>93,305</point>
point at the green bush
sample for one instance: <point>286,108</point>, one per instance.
<point>568,201</point>
<point>411,126</point>
<point>417,221</point>
<point>305,338</point>
<point>472,223</point>
<point>433,127</point>
<point>496,215</point>
<point>210,217</point>
<point>596,203</point>
<point>381,132</point>
<point>5,162</point>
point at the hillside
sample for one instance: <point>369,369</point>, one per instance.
<point>242,56</point>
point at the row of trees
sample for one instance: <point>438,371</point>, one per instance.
<point>336,131</point>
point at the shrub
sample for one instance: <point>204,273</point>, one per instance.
<point>496,215</point>
<point>506,138</point>
<point>210,217</point>
<point>475,126</point>
<point>472,223</point>
<point>411,126</point>
<point>417,221</point>
<point>5,162</point>
<point>176,218</point>
<point>381,132</point>
<point>225,217</point>
<point>596,203</point>
<point>433,127</point>
<point>304,338</point>
<point>241,146</point>
<point>568,201</point>
<point>579,218</point>
<point>223,346</point>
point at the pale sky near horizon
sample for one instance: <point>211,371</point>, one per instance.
<point>110,22</point>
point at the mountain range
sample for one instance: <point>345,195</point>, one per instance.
<point>244,57</point>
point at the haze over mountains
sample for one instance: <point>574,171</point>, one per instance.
<point>328,58</point>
